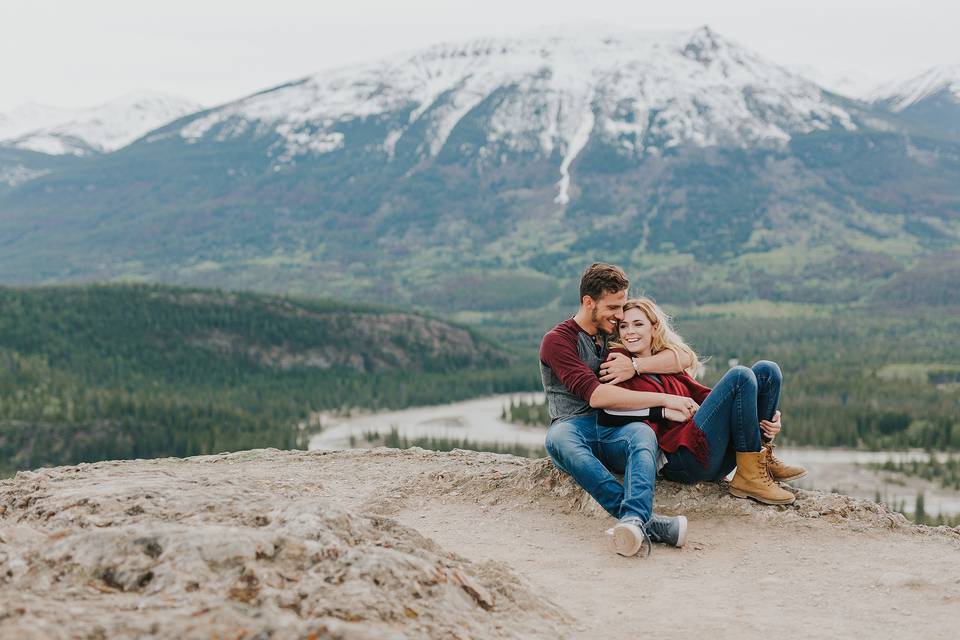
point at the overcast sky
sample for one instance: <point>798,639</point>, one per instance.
<point>83,52</point>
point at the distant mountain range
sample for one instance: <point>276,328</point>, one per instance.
<point>930,101</point>
<point>103,128</point>
<point>484,175</point>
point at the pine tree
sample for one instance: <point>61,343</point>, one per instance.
<point>919,516</point>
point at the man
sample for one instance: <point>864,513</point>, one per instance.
<point>572,355</point>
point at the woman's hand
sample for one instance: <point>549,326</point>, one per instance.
<point>616,369</point>
<point>771,428</point>
<point>686,407</point>
<point>673,415</point>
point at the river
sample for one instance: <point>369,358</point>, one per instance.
<point>840,470</point>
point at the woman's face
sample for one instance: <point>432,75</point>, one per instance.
<point>636,332</point>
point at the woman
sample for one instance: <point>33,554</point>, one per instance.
<point>734,425</point>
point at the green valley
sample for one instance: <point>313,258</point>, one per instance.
<point>105,372</point>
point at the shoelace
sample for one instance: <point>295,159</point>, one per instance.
<point>765,477</point>
<point>647,541</point>
<point>772,459</point>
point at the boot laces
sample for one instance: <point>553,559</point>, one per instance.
<point>766,476</point>
<point>772,460</point>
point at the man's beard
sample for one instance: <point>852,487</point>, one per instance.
<point>595,320</point>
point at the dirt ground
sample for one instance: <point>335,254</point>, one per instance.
<point>387,543</point>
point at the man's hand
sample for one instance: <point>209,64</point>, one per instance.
<point>616,369</point>
<point>771,428</point>
<point>673,415</point>
<point>684,406</point>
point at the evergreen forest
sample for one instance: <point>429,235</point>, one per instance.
<point>137,371</point>
<point>134,371</point>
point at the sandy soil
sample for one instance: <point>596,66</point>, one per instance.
<point>384,543</point>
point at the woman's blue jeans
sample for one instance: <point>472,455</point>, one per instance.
<point>730,419</point>
<point>592,454</point>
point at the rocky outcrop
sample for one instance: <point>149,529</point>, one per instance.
<point>266,543</point>
<point>232,546</point>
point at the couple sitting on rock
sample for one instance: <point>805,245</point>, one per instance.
<point>622,400</point>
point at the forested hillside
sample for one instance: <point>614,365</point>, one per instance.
<point>877,377</point>
<point>91,373</point>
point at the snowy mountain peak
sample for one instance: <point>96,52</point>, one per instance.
<point>703,46</point>
<point>29,117</point>
<point>548,94</point>
<point>900,94</point>
<point>103,128</point>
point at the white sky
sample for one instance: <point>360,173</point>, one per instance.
<point>76,53</point>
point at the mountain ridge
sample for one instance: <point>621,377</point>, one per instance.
<point>715,172</point>
<point>101,128</point>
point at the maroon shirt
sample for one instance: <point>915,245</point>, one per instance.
<point>673,435</point>
<point>570,360</point>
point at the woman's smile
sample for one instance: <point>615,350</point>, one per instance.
<point>635,331</point>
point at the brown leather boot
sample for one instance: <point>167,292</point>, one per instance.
<point>781,471</point>
<point>752,480</point>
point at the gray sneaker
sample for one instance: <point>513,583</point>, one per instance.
<point>629,536</point>
<point>670,530</point>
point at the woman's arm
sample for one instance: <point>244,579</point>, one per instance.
<point>620,367</point>
<point>667,361</point>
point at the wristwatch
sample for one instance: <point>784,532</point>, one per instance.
<point>636,367</point>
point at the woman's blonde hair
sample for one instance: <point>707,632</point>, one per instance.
<point>663,336</point>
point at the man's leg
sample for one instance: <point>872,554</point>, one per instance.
<point>572,447</point>
<point>632,450</point>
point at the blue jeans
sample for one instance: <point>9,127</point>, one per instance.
<point>730,419</point>
<point>592,454</point>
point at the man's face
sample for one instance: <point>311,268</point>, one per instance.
<point>608,311</point>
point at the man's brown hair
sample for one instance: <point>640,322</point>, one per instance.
<point>600,278</point>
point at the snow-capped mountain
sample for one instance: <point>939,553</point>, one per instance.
<point>902,94</point>
<point>516,161</point>
<point>848,83</point>
<point>930,101</point>
<point>31,117</point>
<point>643,93</point>
<point>103,128</point>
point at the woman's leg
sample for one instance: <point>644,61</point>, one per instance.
<point>769,381</point>
<point>728,419</point>
<point>728,416</point>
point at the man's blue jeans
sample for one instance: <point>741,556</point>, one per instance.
<point>730,419</point>
<point>592,454</point>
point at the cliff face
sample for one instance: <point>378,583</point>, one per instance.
<point>388,543</point>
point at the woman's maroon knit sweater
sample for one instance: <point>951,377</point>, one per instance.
<point>673,435</point>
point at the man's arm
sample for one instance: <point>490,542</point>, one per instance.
<point>607,396</point>
<point>559,353</point>
<point>620,367</point>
